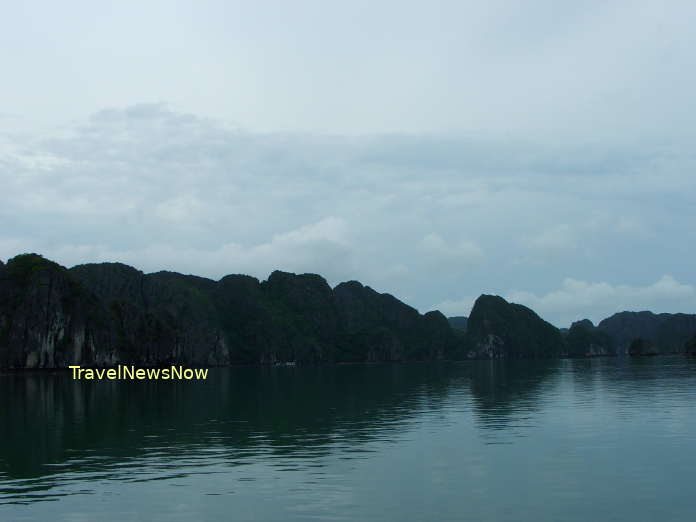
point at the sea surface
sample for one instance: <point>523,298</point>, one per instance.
<point>610,439</point>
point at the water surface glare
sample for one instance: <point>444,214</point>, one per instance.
<point>568,440</point>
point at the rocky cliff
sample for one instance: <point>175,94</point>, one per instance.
<point>649,333</point>
<point>498,329</point>
<point>690,346</point>
<point>458,322</point>
<point>46,318</point>
<point>584,339</point>
<point>380,327</point>
<point>108,313</point>
<point>101,314</point>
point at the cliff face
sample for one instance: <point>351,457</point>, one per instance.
<point>649,333</point>
<point>380,327</point>
<point>109,313</point>
<point>153,318</point>
<point>103,314</point>
<point>498,329</point>
<point>46,318</point>
<point>458,322</point>
<point>585,340</point>
<point>690,345</point>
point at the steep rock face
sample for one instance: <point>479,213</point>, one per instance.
<point>640,347</point>
<point>379,327</point>
<point>498,329</point>
<point>303,312</point>
<point>286,318</point>
<point>585,340</point>
<point>5,310</point>
<point>247,321</point>
<point>690,346</point>
<point>155,318</point>
<point>46,319</point>
<point>458,322</point>
<point>662,333</point>
<point>108,313</point>
<point>185,303</point>
<point>371,323</point>
<point>439,341</point>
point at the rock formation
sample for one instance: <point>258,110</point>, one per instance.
<point>458,322</point>
<point>108,313</point>
<point>498,329</point>
<point>665,333</point>
<point>585,340</point>
<point>101,314</point>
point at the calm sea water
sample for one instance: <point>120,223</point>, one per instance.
<point>570,440</point>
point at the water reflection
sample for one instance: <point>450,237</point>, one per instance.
<point>502,389</point>
<point>54,429</point>
<point>60,437</point>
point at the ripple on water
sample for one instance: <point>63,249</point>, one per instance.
<point>383,443</point>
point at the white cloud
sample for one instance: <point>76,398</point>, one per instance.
<point>317,247</point>
<point>576,300</point>
<point>555,239</point>
<point>432,217</point>
<point>455,307</point>
<point>437,249</point>
<point>601,70</point>
<point>184,209</point>
<point>597,300</point>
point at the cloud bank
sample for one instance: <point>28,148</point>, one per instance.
<point>572,230</point>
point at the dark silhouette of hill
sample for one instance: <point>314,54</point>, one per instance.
<point>109,313</point>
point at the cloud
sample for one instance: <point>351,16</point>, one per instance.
<point>580,299</point>
<point>555,239</point>
<point>455,307</point>
<point>599,71</point>
<point>458,252</point>
<point>576,300</point>
<point>317,247</point>
<point>432,217</point>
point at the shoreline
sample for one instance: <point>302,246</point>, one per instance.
<point>67,370</point>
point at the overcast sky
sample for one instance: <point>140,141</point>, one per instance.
<point>539,150</point>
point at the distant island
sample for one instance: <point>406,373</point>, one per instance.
<point>105,314</point>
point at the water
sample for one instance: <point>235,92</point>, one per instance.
<point>569,440</point>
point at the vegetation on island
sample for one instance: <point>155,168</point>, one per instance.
<point>102,314</point>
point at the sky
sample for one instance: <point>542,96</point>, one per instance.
<point>540,150</point>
